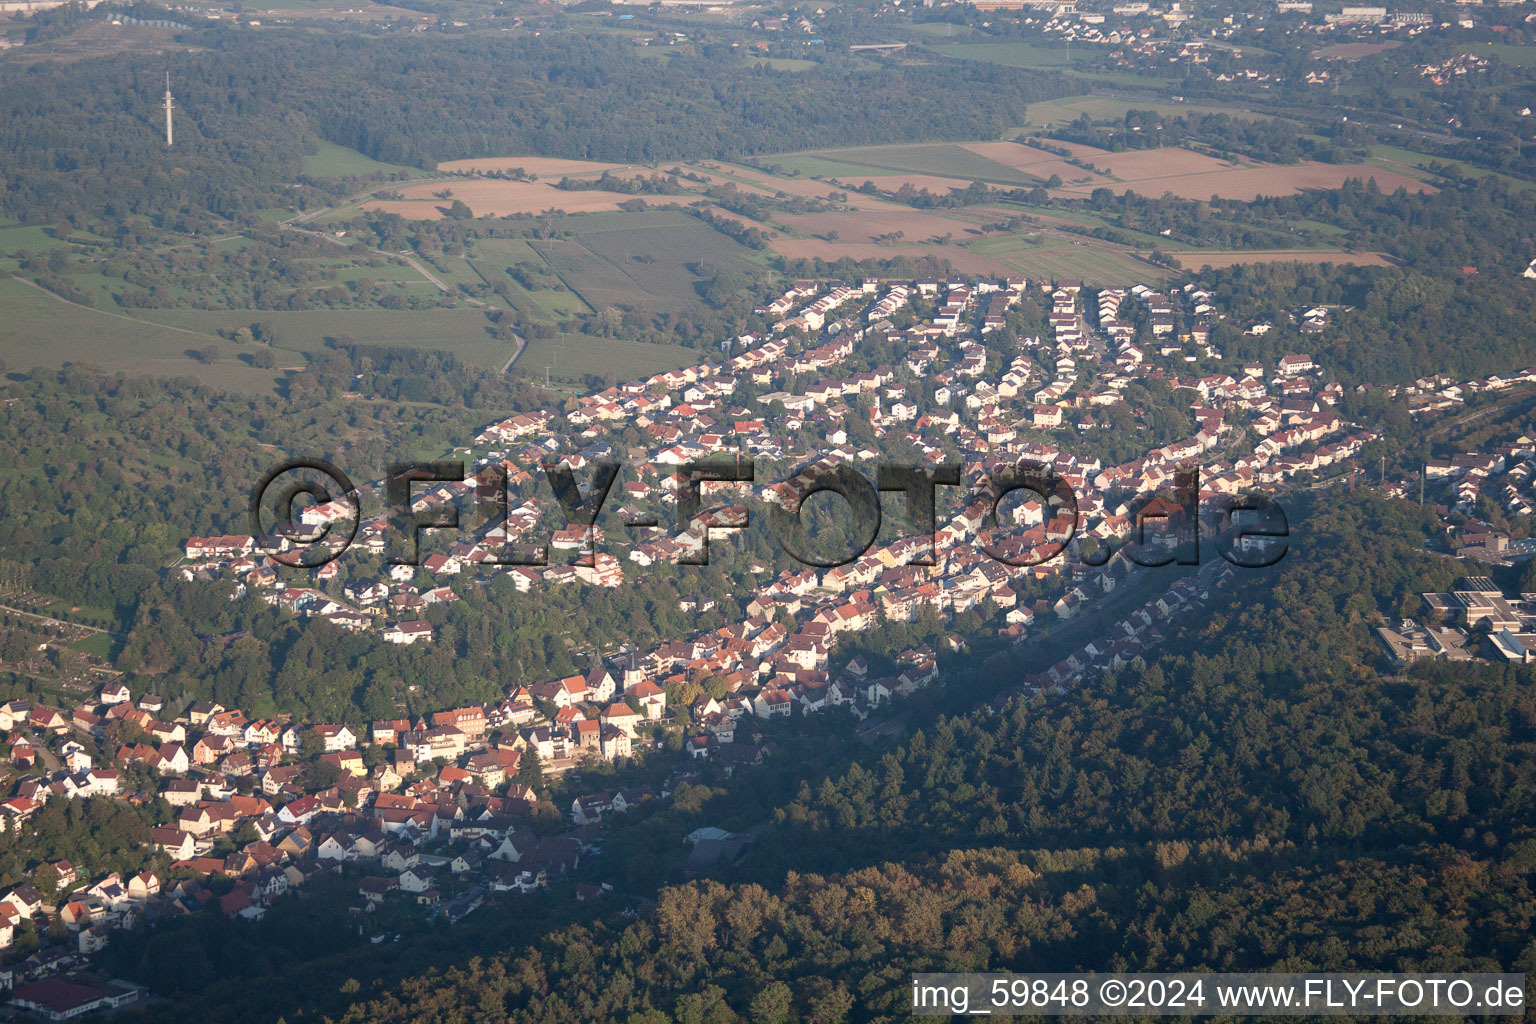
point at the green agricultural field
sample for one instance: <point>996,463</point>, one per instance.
<point>617,220</point>
<point>32,239</point>
<point>639,260</point>
<point>387,271</point>
<point>1403,161</point>
<point>1139,239</point>
<point>1094,264</point>
<point>545,304</point>
<point>1523,56</point>
<point>502,251</point>
<point>571,357</point>
<point>657,257</point>
<point>460,331</point>
<point>595,280</point>
<point>333,161</point>
<point>1414,164</point>
<point>940,158</point>
<point>452,270</point>
<point>812,166</point>
<point>40,330</point>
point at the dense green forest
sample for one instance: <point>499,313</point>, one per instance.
<point>110,475</point>
<point>104,832</point>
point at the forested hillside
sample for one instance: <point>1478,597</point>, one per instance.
<point>249,101</point>
<point>1261,797</point>
<point>110,474</point>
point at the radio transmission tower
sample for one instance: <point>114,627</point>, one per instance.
<point>168,105</point>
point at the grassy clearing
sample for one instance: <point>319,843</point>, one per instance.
<point>941,158</point>
<point>451,270</point>
<point>333,161</point>
<point>503,251</point>
<point>97,644</point>
<point>570,357</point>
<point>1334,230</point>
<point>460,331</point>
<point>1414,165</point>
<point>40,331</point>
<point>821,167</point>
<point>657,256</point>
<point>386,272</point>
<point>33,239</point>
<point>542,304</point>
<point>615,220</point>
<point>595,280</point>
<point>1146,239</point>
<point>1054,259</point>
<point>90,615</point>
<point>639,261</point>
<point>1522,56</point>
<point>1403,161</point>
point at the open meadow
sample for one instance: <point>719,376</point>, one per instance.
<point>332,161</point>
<point>39,330</point>
<point>1036,162</point>
<point>1194,259</point>
<point>1138,164</point>
<point>1236,182</point>
<point>872,225</point>
<point>963,259</point>
<point>1050,257</point>
<point>570,358</point>
<point>649,259</point>
<point>941,159</point>
<point>491,198</point>
<point>459,331</point>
